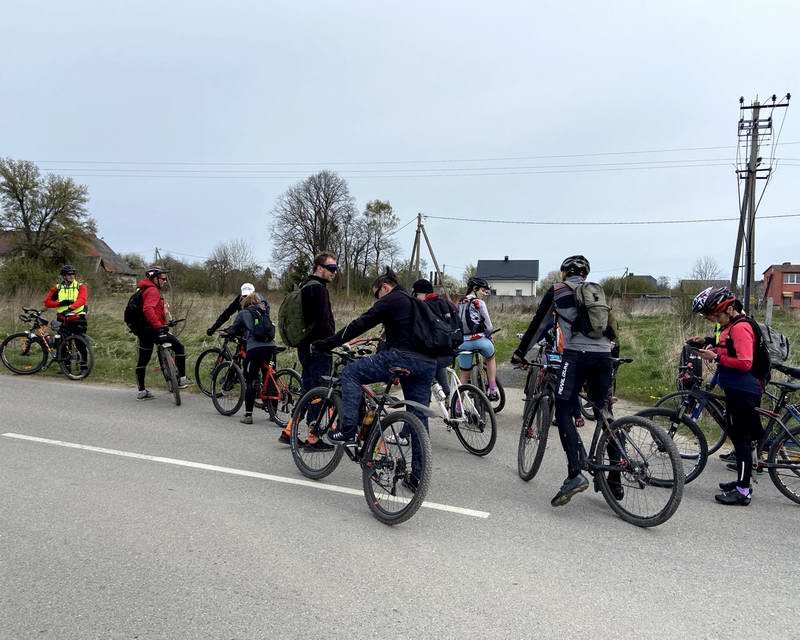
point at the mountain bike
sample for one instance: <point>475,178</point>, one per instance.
<point>210,359</point>
<point>29,352</point>
<point>395,476</point>
<point>627,456</point>
<point>479,377</point>
<point>166,362</point>
<point>279,391</point>
<point>468,412</point>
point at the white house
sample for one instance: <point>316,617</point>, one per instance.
<point>510,277</point>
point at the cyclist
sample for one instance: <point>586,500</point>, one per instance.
<point>735,355</point>
<point>476,324</point>
<point>423,289</point>
<point>394,309</point>
<point>585,360</point>
<point>318,315</point>
<point>154,330</point>
<point>68,298</point>
<point>232,309</point>
<point>254,310</point>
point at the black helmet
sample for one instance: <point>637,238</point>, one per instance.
<point>713,300</point>
<point>67,269</point>
<point>476,283</point>
<point>422,286</point>
<point>575,265</point>
<point>154,271</point>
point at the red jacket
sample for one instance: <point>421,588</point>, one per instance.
<point>51,302</point>
<point>155,315</point>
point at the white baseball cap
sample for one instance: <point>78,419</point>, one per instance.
<point>247,289</point>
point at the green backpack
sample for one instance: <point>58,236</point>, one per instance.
<point>291,323</point>
<point>593,312</point>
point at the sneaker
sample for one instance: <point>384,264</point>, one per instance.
<point>246,419</point>
<point>144,395</point>
<point>317,445</point>
<point>183,382</point>
<point>285,438</point>
<point>570,487</point>
<point>728,486</point>
<point>728,457</point>
<point>734,497</point>
<point>493,395</point>
<point>400,441</point>
<point>340,438</point>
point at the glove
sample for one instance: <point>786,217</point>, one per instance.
<point>210,331</point>
<point>68,302</point>
<point>517,358</point>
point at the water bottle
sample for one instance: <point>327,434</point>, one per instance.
<point>438,392</point>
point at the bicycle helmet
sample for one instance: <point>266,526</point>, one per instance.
<point>477,283</point>
<point>154,271</point>
<point>67,270</point>
<point>713,300</point>
<point>575,265</point>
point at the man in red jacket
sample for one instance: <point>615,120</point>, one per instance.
<point>154,329</point>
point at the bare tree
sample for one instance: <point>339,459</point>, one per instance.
<point>548,281</point>
<point>308,217</point>
<point>228,260</point>
<point>706,268</point>
<point>48,216</point>
<point>381,222</point>
<point>469,272</point>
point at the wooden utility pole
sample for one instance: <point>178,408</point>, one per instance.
<point>414,264</point>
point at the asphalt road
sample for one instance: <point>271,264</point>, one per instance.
<point>102,545</point>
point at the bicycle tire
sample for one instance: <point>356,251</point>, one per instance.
<point>536,420</point>
<point>687,436</point>
<point>480,378</point>
<point>167,362</point>
<point>377,452</point>
<point>37,361</point>
<point>789,453</point>
<point>663,446</point>
<point>586,407</point>
<point>713,427</point>
<point>65,357</point>
<point>476,419</point>
<point>204,367</point>
<point>290,389</point>
<point>227,388</point>
<point>311,463</point>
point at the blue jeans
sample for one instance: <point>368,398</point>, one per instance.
<point>315,365</point>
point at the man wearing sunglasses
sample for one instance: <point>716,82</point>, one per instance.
<point>318,315</point>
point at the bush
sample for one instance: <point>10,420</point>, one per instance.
<point>25,274</point>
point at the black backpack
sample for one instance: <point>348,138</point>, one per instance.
<point>761,358</point>
<point>466,318</point>
<point>434,335</point>
<point>134,314</point>
<point>263,328</point>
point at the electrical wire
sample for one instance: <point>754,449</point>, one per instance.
<point>603,222</point>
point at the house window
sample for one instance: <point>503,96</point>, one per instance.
<point>518,292</point>
<point>791,278</point>
<point>494,291</point>
<point>797,295</point>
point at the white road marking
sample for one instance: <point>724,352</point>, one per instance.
<point>234,472</point>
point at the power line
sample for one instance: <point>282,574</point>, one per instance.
<point>603,222</point>
<point>411,161</point>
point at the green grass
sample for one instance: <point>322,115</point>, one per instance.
<point>654,342</point>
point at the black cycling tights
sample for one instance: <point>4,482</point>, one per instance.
<point>254,360</point>
<point>744,427</point>
<point>146,344</point>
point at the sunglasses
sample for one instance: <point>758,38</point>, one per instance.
<point>375,292</point>
<point>332,268</point>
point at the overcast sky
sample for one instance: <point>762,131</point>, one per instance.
<point>321,83</point>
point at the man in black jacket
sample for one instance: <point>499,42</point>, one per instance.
<point>317,314</point>
<point>394,310</point>
<point>232,309</point>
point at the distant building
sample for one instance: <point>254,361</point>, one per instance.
<point>782,284</point>
<point>510,277</point>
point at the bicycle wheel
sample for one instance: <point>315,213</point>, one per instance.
<point>480,379</point>
<point>316,460</point>
<point>585,406</point>
<point>644,484</point>
<point>686,435</point>
<point>785,451</point>
<point>396,477</point>
<point>711,420</point>
<point>289,390</point>
<point>75,357</point>
<point>22,354</point>
<point>166,360</point>
<point>204,367</point>
<point>227,388</point>
<point>476,426</point>
<point>536,420</point>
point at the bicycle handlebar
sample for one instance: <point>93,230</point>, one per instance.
<point>172,323</point>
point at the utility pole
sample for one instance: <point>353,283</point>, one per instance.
<point>414,264</point>
<point>754,131</point>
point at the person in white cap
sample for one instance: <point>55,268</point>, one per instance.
<point>232,309</point>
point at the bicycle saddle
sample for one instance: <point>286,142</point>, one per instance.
<point>794,372</point>
<point>399,372</point>
<point>789,386</point>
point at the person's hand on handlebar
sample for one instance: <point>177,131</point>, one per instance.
<point>517,358</point>
<point>210,331</point>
